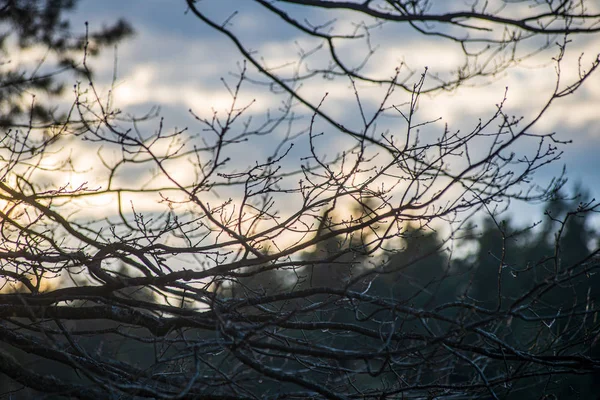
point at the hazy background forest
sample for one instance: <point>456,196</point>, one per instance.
<point>431,280</point>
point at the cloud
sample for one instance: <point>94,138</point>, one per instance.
<point>178,63</point>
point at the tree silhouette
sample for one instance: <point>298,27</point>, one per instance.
<point>290,254</point>
<point>34,24</point>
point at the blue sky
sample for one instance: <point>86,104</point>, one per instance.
<point>176,62</point>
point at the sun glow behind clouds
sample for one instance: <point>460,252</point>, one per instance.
<point>145,86</point>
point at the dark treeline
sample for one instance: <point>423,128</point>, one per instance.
<point>486,277</point>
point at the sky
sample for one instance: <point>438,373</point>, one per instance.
<point>176,62</point>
